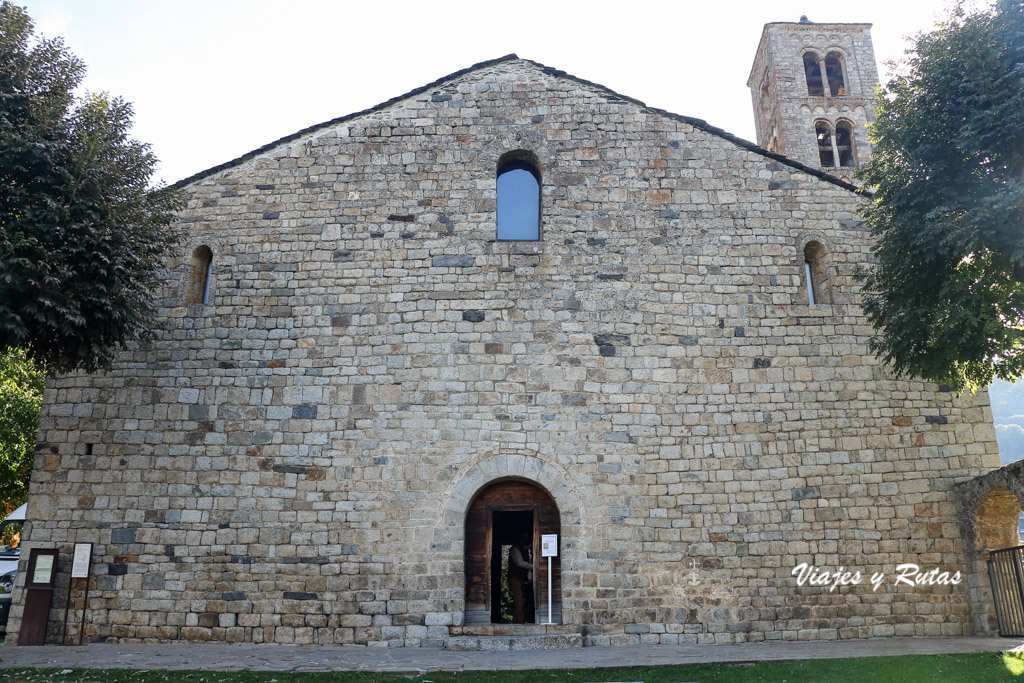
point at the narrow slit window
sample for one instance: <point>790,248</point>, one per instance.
<point>200,272</point>
<point>812,69</point>
<point>826,152</point>
<point>844,143</point>
<point>518,201</point>
<point>814,274</point>
<point>834,74</point>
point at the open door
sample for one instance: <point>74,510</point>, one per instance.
<point>508,528</point>
<point>497,517</point>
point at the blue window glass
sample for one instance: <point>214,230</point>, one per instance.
<point>518,201</point>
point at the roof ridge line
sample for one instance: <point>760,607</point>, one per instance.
<point>340,119</point>
<point>708,128</point>
<point>700,124</point>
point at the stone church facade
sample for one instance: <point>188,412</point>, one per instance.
<point>354,385</point>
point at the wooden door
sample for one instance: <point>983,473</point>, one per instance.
<point>507,496</point>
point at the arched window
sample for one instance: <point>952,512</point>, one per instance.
<point>844,143</point>
<point>826,148</point>
<point>518,200</point>
<point>200,270</point>
<point>814,274</point>
<point>812,69</point>
<point>834,73</point>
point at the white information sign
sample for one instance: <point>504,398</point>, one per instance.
<point>549,545</point>
<point>80,561</point>
<point>44,569</point>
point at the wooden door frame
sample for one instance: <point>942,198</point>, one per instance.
<point>509,507</point>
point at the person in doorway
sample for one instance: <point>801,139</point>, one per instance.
<point>520,571</point>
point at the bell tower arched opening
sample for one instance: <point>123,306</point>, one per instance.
<point>817,77</point>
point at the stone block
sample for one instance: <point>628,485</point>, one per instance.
<point>122,535</point>
<point>453,261</point>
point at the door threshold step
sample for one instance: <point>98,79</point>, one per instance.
<point>511,629</point>
<point>550,641</point>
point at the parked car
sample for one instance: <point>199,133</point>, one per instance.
<point>9,564</point>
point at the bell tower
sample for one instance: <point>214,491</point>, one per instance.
<point>813,90</point>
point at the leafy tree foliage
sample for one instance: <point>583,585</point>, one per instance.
<point>83,238</point>
<point>947,168</point>
<point>21,392</point>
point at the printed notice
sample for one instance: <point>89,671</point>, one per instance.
<point>80,561</point>
<point>44,569</point>
<point>549,545</point>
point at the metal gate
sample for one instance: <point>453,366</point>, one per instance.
<point>1006,574</point>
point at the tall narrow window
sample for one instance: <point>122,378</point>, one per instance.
<point>844,143</point>
<point>812,69</point>
<point>826,151</point>
<point>518,201</point>
<point>834,73</point>
<point>200,270</point>
<point>814,273</point>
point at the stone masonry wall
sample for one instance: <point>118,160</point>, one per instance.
<point>293,461</point>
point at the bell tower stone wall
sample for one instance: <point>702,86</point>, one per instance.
<point>793,103</point>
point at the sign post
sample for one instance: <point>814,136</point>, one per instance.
<point>549,549</point>
<point>80,561</point>
<point>39,584</point>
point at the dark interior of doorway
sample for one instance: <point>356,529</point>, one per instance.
<point>505,530</point>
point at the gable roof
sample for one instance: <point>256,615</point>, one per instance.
<point>610,94</point>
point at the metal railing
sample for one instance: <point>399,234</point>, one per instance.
<point>1006,575</point>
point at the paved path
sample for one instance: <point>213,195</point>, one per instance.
<point>420,660</point>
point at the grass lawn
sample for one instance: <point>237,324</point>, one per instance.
<point>977,667</point>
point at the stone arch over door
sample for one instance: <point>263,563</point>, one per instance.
<point>549,478</point>
<point>989,509</point>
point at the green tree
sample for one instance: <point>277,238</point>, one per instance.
<point>946,294</point>
<point>84,238</point>
<point>21,392</point>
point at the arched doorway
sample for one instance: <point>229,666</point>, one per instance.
<point>497,516</point>
<point>989,512</point>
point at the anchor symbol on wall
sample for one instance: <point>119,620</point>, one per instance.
<point>693,578</point>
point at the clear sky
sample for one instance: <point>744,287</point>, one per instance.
<point>214,79</point>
